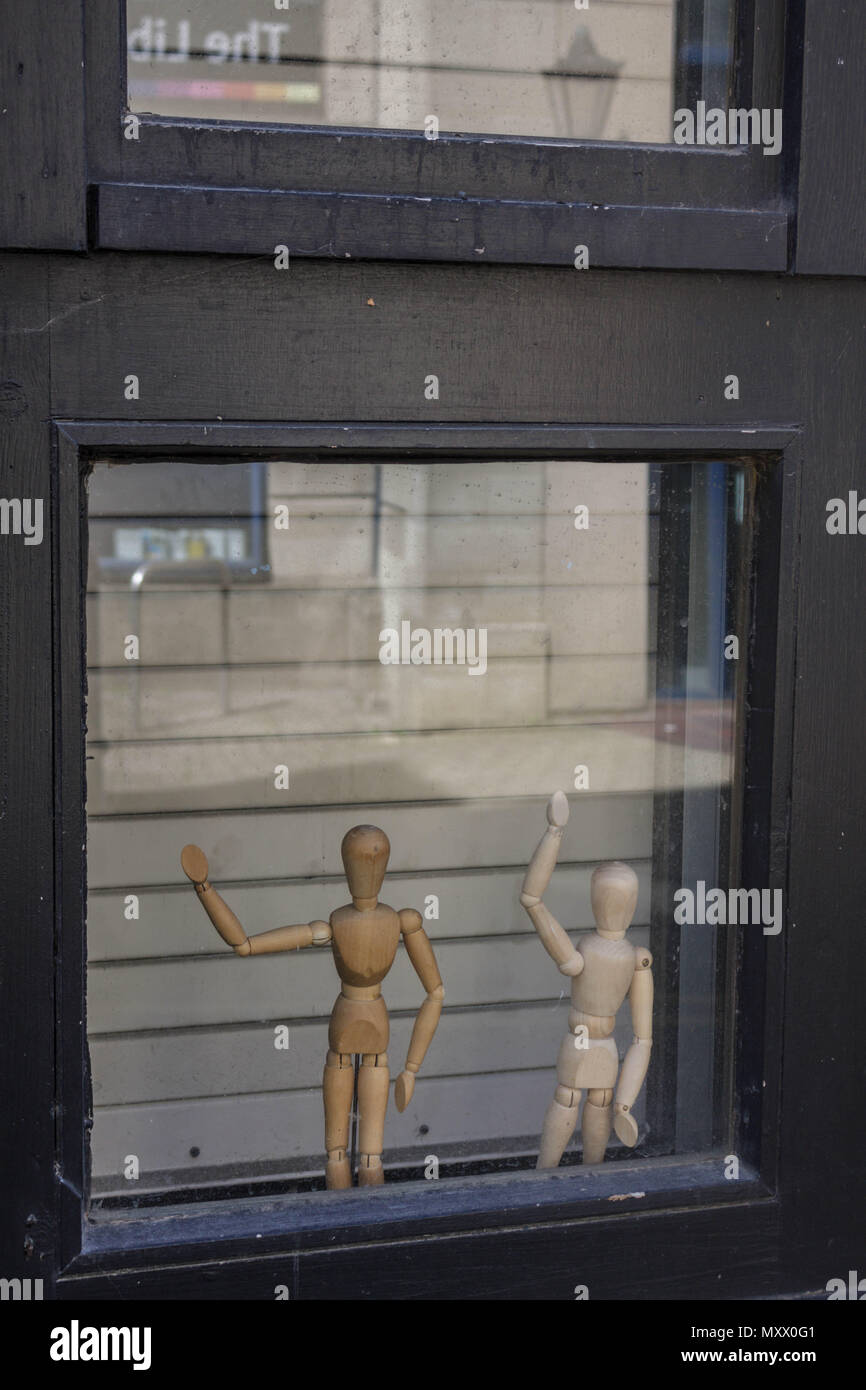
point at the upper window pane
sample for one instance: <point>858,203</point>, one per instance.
<point>567,69</point>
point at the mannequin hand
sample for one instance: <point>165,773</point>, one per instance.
<point>625,1125</point>
<point>403,1088</point>
<point>194,864</point>
<point>557,810</point>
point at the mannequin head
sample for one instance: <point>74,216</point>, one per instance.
<point>365,850</point>
<point>613,892</point>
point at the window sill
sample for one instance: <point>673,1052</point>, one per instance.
<point>309,1221</point>
<point>249,221</point>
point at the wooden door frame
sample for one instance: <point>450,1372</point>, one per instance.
<point>69,318</point>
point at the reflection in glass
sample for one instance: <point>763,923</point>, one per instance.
<point>605,70</point>
<point>265,600</point>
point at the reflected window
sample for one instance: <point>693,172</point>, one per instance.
<point>600,70</point>
<point>263,675</point>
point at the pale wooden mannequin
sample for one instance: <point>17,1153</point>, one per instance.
<point>604,969</point>
<point>364,936</point>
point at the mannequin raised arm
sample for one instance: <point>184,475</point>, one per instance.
<point>554,939</point>
<point>194,864</point>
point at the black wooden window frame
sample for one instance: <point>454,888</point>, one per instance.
<point>198,186</point>
<point>261,1236</point>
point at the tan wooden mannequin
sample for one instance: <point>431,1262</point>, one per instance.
<point>364,936</point>
<point>604,969</point>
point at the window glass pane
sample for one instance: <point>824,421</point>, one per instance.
<point>601,70</point>
<point>279,651</point>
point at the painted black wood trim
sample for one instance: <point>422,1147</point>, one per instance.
<point>824,1158</point>
<point>104,83</point>
<point>667,824</point>
<point>227,1230</point>
<point>226,155</point>
<point>776,58</point>
<point>487,439</point>
<point>765,835</point>
<point>371,227</point>
<point>698,1254</point>
<point>222,155</point>
<point>42,151</point>
<point>831,226</point>
<point>28,1226</point>
<point>519,343</point>
<point>653,1254</point>
<point>74,1119</point>
<point>773,48</point>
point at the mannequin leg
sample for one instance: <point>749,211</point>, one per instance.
<point>595,1127</point>
<point>559,1125</point>
<point>373,1079</point>
<point>337,1084</point>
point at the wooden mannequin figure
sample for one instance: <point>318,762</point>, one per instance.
<point>364,936</point>
<point>604,969</point>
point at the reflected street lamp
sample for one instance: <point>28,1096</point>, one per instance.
<point>581,88</point>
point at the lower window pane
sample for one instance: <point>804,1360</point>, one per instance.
<point>280,651</point>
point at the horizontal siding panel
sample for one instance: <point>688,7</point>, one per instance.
<point>465,487</point>
<point>472,903</point>
<point>522,35</point>
<point>304,984</point>
<point>288,1129</point>
<point>342,549</point>
<point>233,1060</point>
<point>182,626</point>
<point>332,697</point>
<point>472,834</point>
<point>313,699</point>
<point>350,769</point>
<point>457,488</point>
